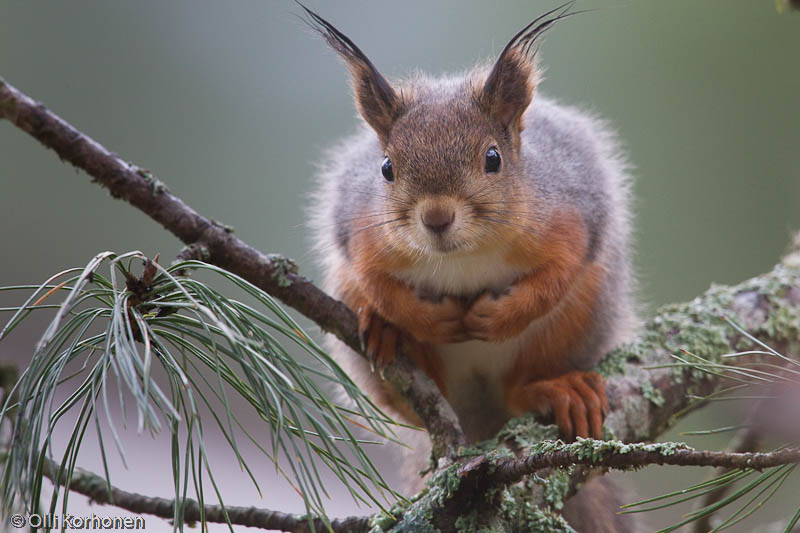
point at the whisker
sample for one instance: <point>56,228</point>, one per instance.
<point>376,225</point>
<point>500,202</point>
<point>504,222</point>
<point>489,185</point>
<point>361,217</point>
<point>498,211</point>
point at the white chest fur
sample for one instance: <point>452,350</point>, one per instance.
<point>474,370</point>
<point>464,275</point>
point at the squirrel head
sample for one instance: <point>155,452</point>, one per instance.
<point>451,169</point>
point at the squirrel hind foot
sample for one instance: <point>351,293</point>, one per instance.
<point>577,400</point>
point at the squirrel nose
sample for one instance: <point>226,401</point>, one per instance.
<point>438,219</point>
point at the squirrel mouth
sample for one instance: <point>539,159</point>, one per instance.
<point>444,245</point>
<point>448,244</point>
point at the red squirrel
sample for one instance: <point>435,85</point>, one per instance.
<point>485,226</point>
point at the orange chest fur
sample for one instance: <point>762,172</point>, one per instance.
<point>478,369</point>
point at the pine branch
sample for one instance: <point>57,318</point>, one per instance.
<point>95,487</point>
<point>747,439</point>
<point>274,274</point>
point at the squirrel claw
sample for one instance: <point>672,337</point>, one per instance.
<point>379,339</point>
<point>577,401</point>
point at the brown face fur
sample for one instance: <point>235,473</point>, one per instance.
<point>438,150</point>
<point>436,135</point>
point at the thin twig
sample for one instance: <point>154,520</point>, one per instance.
<point>512,470</point>
<point>95,487</point>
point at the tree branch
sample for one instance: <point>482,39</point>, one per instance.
<point>766,306</point>
<point>614,454</point>
<point>96,489</point>
<point>274,274</point>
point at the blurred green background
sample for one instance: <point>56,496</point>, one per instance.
<point>231,103</point>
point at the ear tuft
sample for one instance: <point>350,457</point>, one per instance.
<point>509,87</point>
<point>375,98</point>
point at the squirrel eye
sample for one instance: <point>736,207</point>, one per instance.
<point>386,169</point>
<point>492,164</point>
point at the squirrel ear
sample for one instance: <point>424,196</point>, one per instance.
<point>376,100</point>
<point>508,88</point>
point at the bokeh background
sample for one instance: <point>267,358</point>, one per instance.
<point>231,103</point>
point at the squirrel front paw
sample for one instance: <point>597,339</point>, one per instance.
<point>495,318</point>
<point>577,401</point>
<point>439,322</point>
<point>379,338</point>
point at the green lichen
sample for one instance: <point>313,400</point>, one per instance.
<point>539,520</point>
<point>524,432</point>
<point>556,488</point>
<point>519,433</point>
<point>681,328</point>
<point>416,520</point>
<point>520,514</point>
<point>417,514</point>
<point>444,484</point>
<point>384,521</point>
<point>615,362</point>
<point>156,185</point>
<point>783,322</point>
<point>652,394</point>
<point>381,522</point>
<point>596,450</point>
<point>480,448</point>
<point>282,268</point>
<point>696,327</point>
<point>525,435</point>
<point>632,416</point>
<point>779,290</point>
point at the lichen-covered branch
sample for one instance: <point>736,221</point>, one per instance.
<point>96,489</point>
<point>274,274</point>
<point>766,306</point>
<point>621,456</point>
